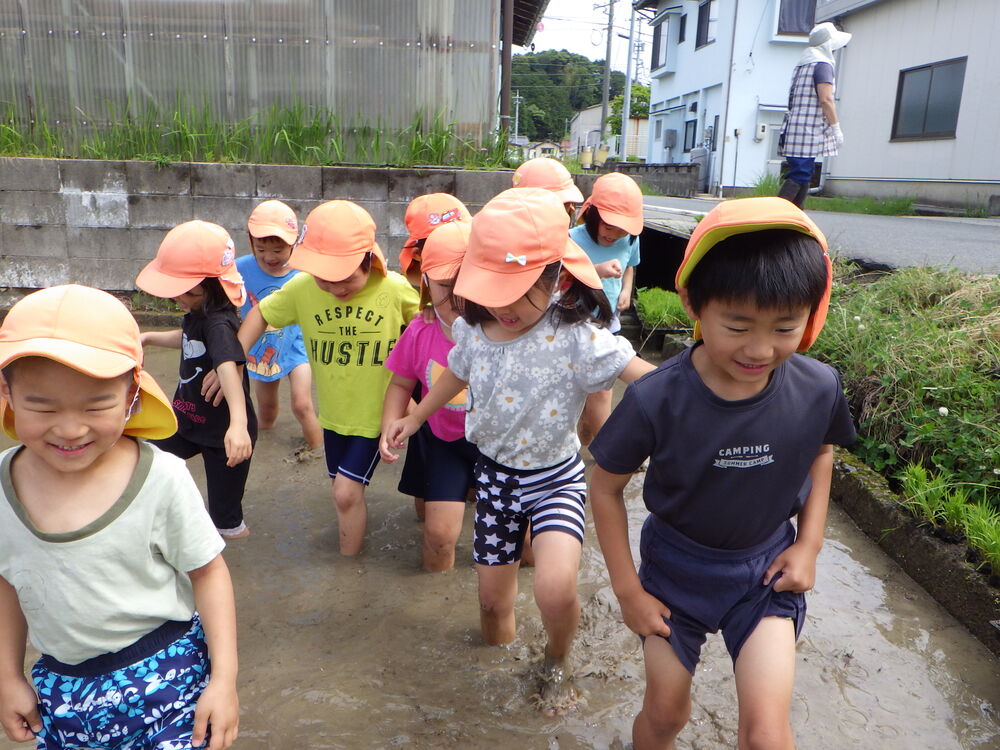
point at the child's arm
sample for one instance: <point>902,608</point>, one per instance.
<point>397,398</point>
<point>237,439</point>
<point>218,705</point>
<point>642,612</point>
<point>18,702</point>
<point>609,269</point>
<point>625,297</point>
<point>252,328</point>
<point>635,369</point>
<point>797,564</point>
<point>444,390</point>
<point>167,339</point>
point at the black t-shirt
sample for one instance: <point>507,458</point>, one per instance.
<point>725,473</point>
<point>208,341</point>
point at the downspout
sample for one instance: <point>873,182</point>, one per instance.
<point>724,127</point>
<point>505,68</point>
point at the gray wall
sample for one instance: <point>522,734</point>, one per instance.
<point>100,222</point>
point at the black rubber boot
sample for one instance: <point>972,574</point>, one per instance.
<point>790,191</point>
<point>800,197</point>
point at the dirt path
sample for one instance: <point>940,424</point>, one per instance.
<point>373,653</point>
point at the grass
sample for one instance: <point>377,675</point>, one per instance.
<point>770,184</point>
<point>659,308</point>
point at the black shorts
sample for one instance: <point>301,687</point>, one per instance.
<point>437,469</point>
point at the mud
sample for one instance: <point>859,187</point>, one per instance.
<point>374,653</point>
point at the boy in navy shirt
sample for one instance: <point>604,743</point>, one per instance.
<point>739,433</point>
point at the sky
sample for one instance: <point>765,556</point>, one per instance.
<point>576,26</point>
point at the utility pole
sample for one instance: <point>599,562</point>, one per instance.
<point>517,111</point>
<point>627,104</point>
<point>607,70</point>
<point>505,67</point>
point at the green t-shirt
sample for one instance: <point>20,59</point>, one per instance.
<point>347,343</point>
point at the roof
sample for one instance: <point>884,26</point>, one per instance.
<point>527,14</point>
<point>832,8</point>
<point>643,4</point>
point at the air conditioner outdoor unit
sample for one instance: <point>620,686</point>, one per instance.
<point>669,138</point>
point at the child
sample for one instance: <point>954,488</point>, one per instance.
<point>195,266</point>
<point>351,310</point>
<point>609,234</point>
<point>421,356</point>
<point>280,352</point>
<point>738,432</point>
<point>529,352</point>
<point>549,174</point>
<point>423,215</point>
<point>108,560</point>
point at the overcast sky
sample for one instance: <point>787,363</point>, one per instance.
<point>576,26</point>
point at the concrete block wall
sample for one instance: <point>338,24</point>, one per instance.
<point>99,222</point>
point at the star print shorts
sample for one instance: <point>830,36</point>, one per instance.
<point>143,696</point>
<point>507,500</point>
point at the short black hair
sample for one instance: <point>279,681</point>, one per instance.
<point>216,299</point>
<point>592,220</point>
<point>773,268</point>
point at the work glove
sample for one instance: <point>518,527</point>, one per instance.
<point>834,132</point>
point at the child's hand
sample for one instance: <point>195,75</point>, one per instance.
<point>643,613</point>
<point>797,565</point>
<point>211,388</point>
<point>383,450</point>
<point>396,434</point>
<point>218,708</point>
<point>238,445</point>
<point>609,269</point>
<point>624,301</point>
<point>19,710</point>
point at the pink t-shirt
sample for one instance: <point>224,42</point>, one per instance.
<point>422,354</point>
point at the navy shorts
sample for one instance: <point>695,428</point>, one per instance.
<point>437,469</point>
<point>142,696</point>
<point>507,500</point>
<point>351,455</point>
<point>710,589</point>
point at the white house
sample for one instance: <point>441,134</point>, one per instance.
<point>919,100</point>
<point>720,74</point>
<point>585,129</point>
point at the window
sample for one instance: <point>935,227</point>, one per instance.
<point>796,17</point>
<point>682,29</point>
<point>659,130</point>
<point>690,134</point>
<point>660,44</point>
<point>715,134</point>
<point>707,21</point>
<point>928,99</point>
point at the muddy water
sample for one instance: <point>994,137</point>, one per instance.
<point>373,653</point>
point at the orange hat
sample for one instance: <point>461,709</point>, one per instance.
<point>545,172</point>
<point>274,219</point>
<point>92,332</point>
<point>190,252</point>
<point>335,238</point>
<point>514,237</point>
<point>744,215</point>
<point>424,214</point>
<point>444,250</point>
<point>618,200</point>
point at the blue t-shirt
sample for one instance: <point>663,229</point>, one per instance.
<point>726,474</point>
<point>279,350</point>
<point>626,251</point>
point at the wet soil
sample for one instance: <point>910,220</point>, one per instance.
<point>372,652</point>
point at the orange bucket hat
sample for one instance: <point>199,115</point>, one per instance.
<point>274,219</point>
<point>442,255</point>
<point>91,332</point>
<point>744,215</point>
<point>618,200</point>
<point>514,237</point>
<point>549,174</point>
<point>336,237</point>
<point>190,252</point>
<point>424,214</point>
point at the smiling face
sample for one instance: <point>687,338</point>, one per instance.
<point>743,344</point>
<point>193,300</point>
<point>271,254</point>
<point>520,316</point>
<point>607,234</point>
<point>67,420</point>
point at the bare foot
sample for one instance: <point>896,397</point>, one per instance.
<point>304,453</point>
<point>556,695</point>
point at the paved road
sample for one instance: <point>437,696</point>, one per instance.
<point>963,243</point>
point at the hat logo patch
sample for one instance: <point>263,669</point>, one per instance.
<point>302,234</point>
<point>290,223</point>
<point>519,259</point>
<point>517,179</point>
<point>434,219</point>
<point>450,215</point>
<point>228,255</point>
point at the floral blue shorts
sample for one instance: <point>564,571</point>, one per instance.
<point>142,697</point>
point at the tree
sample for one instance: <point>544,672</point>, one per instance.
<point>639,107</point>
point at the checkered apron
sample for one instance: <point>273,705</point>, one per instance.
<point>802,131</point>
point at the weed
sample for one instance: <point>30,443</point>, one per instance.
<point>862,205</point>
<point>765,184</point>
<point>659,308</point>
<point>982,527</point>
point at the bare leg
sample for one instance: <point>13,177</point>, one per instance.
<point>443,525</point>
<point>352,513</point>
<point>527,551</point>
<point>497,592</point>
<point>267,403</point>
<point>420,508</point>
<point>666,704</point>
<point>596,411</point>
<point>300,382</point>
<point>765,673</point>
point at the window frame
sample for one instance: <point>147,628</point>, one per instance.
<point>925,135</point>
<point>711,7</point>
<point>790,34</point>
<point>660,42</point>
<point>690,126</point>
<point>682,29</point>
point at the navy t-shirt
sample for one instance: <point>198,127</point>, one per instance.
<point>726,474</point>
<point>208,340</point>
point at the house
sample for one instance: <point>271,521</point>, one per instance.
<point>585,129</point>
<point>635,139</point>
<point>720,73</point>
<point>542,148</point>
<point>918,100</point>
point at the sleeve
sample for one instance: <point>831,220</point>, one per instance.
<point>221,342</point>
<point>634,257</point>
<point>626,439</point>
<point>458,359</point>
<point>401,359</point>
<point>823,73</point>
<point>409,302</point>
<point>279,308</point>
<point>251,297</point>
<point>600,357</point>
<point>185,535</point>
<point>841,428</point>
